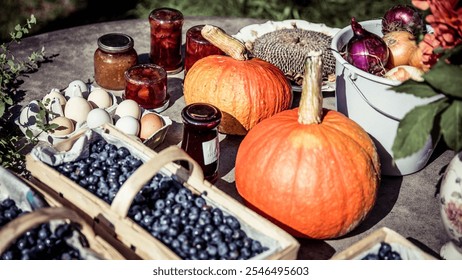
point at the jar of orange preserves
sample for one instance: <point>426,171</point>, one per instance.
<point>114,55</point>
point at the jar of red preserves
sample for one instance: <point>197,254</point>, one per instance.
<point>166,28</point>
<point>114,55</point>
<point>200,137</point>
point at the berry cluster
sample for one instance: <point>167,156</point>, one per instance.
<point>385,252</point>
<point>173,214</point>
<point>40,243</point>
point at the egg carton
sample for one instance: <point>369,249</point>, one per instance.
<point>29,117</point>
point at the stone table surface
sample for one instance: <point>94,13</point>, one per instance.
<point>407,204</point>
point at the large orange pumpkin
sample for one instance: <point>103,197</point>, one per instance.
<point>310,170</point>
<point>247,91</point>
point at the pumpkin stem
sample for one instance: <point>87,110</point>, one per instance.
<point>229,45</point>
<point>310,109</point>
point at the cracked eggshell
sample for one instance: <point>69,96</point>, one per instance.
<point>77,109</point>
<point>54,94</point>
<point>29,116</point>
<point>76,88</point>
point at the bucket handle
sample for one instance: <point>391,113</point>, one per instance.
<point>352,77</point>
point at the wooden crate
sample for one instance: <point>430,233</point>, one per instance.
<point>113,218</point>
<point>22,193</point>
<point>406,248</point>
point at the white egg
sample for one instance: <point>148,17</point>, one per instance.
<point>128,125</point>
<point>77,109</point>
<point>76,88</point>
<point>98,117</point>
<point>99,98</point>
<point>128,107</point>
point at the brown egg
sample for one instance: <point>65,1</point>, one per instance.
<point>150,123</point>
<point>65,127</point>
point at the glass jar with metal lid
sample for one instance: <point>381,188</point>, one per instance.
<point>114,55</point>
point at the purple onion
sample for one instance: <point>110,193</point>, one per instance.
<point>403,18</point>
<point>366,51</point>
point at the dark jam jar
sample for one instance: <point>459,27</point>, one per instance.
<point>197,47</point>
<point>114,55</point>
<point>200,137</point>
<point>166,26</point>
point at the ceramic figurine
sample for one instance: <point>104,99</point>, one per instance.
<point>451,208</point>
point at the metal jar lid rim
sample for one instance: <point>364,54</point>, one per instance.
<point>115,42</point>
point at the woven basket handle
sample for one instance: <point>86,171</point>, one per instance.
<point>17,227</point>
<point>127,192</point>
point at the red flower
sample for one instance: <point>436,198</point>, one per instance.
<point>446,22</point>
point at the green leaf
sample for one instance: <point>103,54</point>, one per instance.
<point>451,125</point>
<point>419,89</point>
<point>414,129</point>
<point>29,133</point>
<point>2,108</point>
<point>446,78</point>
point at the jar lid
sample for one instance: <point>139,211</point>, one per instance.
<point>115,42</point>
<point>201,114</point>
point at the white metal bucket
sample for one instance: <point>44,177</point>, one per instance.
<point>368,100</point>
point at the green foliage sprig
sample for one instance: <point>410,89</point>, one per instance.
<point>12,143</point>
<point>442,118</point>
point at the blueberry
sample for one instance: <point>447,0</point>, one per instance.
<point>217,220</point>
<point>371,256</point>
<point>22,243</point>
<point>384,250</point>
<point>63,231</point>
<point>394,256</point>
<point>122,152</point>
<point>222,249</point>
<point>180,198</point>
<point>92,179</point>
<point>147,220</point>
<point>173,231</point>
<point>138,216</point>
<point>8,255</point>
<point>232,222</point>
<point>203,255</point>
<point>199,202</point>
<point>175,244</point>
<point>233,255</point>
<point>83,182</point>
<point>245,253</point>
<point>98,172</point>
<point>256,246</point>
<point>44,233</point>
<point>160,204</point>
<point>74,176</point>
<point>238,234</point>
<point>212,250</point>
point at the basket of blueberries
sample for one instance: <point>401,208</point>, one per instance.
<point>383,244</point>
<point>32,230</point>
<point>152,204</point>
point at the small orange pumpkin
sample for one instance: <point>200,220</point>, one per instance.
<point>247,91</point>
<point>310,170</point>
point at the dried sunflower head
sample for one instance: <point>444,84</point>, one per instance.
<point>288,49</point>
